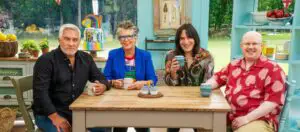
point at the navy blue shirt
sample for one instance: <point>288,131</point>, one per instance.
<point>56,84</point>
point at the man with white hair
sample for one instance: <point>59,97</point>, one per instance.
<point>255,88</point>
<point>59,77</point>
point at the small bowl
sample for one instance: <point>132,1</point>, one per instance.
<point>281,56</point>
<point>279,21</point>
<point>260,17</point>
<point>24,55</point>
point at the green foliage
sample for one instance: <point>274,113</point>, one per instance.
<point>266,5</point>
<point>26,12</point>
<point>44,43</point>
<point>111,7</point>
<point>220,13</point>
<point>26,44</point>
<point>128,12</point>
<point>30,45</point>
<point>49,13</point>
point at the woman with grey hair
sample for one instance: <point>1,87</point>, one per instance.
<point>127,61</point>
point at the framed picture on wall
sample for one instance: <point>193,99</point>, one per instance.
<point>168,15</point>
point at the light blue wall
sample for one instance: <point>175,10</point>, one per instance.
<point>200,17</point>
<point>200,11</point>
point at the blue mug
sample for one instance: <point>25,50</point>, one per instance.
<point>205,90</point>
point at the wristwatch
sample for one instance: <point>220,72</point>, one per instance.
<point>112,83</point>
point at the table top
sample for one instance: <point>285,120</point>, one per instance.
<point>175,99</point>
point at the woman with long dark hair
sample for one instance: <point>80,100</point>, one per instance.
<point>198,62</point>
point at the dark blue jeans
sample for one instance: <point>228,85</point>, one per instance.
<point>177,130</point>
<point>124,129</point>
<point>45,124</point>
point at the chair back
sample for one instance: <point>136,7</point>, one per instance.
<point>284,115</point>
<point>23,84</point>
<point>294,114</point>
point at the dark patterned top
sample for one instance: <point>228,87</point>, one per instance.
<point>200,70</point>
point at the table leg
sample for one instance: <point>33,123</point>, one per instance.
<point>78,121</point>
<point>219,122</point>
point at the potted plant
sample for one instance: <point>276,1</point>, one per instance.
<point>31,46</point>
<point>26,45</point>
<point>34,50</point>
<point>44,45</point>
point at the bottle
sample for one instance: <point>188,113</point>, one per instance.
<point>149,83</point>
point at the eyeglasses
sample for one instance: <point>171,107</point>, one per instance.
<point>126,37</point>
<point>253,44</point>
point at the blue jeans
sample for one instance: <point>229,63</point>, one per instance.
<point>124,129</point>
<point>44,123</point>
<point>177,129</point>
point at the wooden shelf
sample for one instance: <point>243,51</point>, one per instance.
<point>263,27</point>
<point>160,41</point>
<point>280,61</point>
<point>272,59</point>
<point>295,62</point>
<point>297,27</point>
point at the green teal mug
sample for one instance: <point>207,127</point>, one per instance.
<point>205,90</point>
<point>180,59</point>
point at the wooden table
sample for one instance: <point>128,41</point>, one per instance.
<point>179,107</point>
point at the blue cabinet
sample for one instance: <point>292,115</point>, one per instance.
<point>240,24</point>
